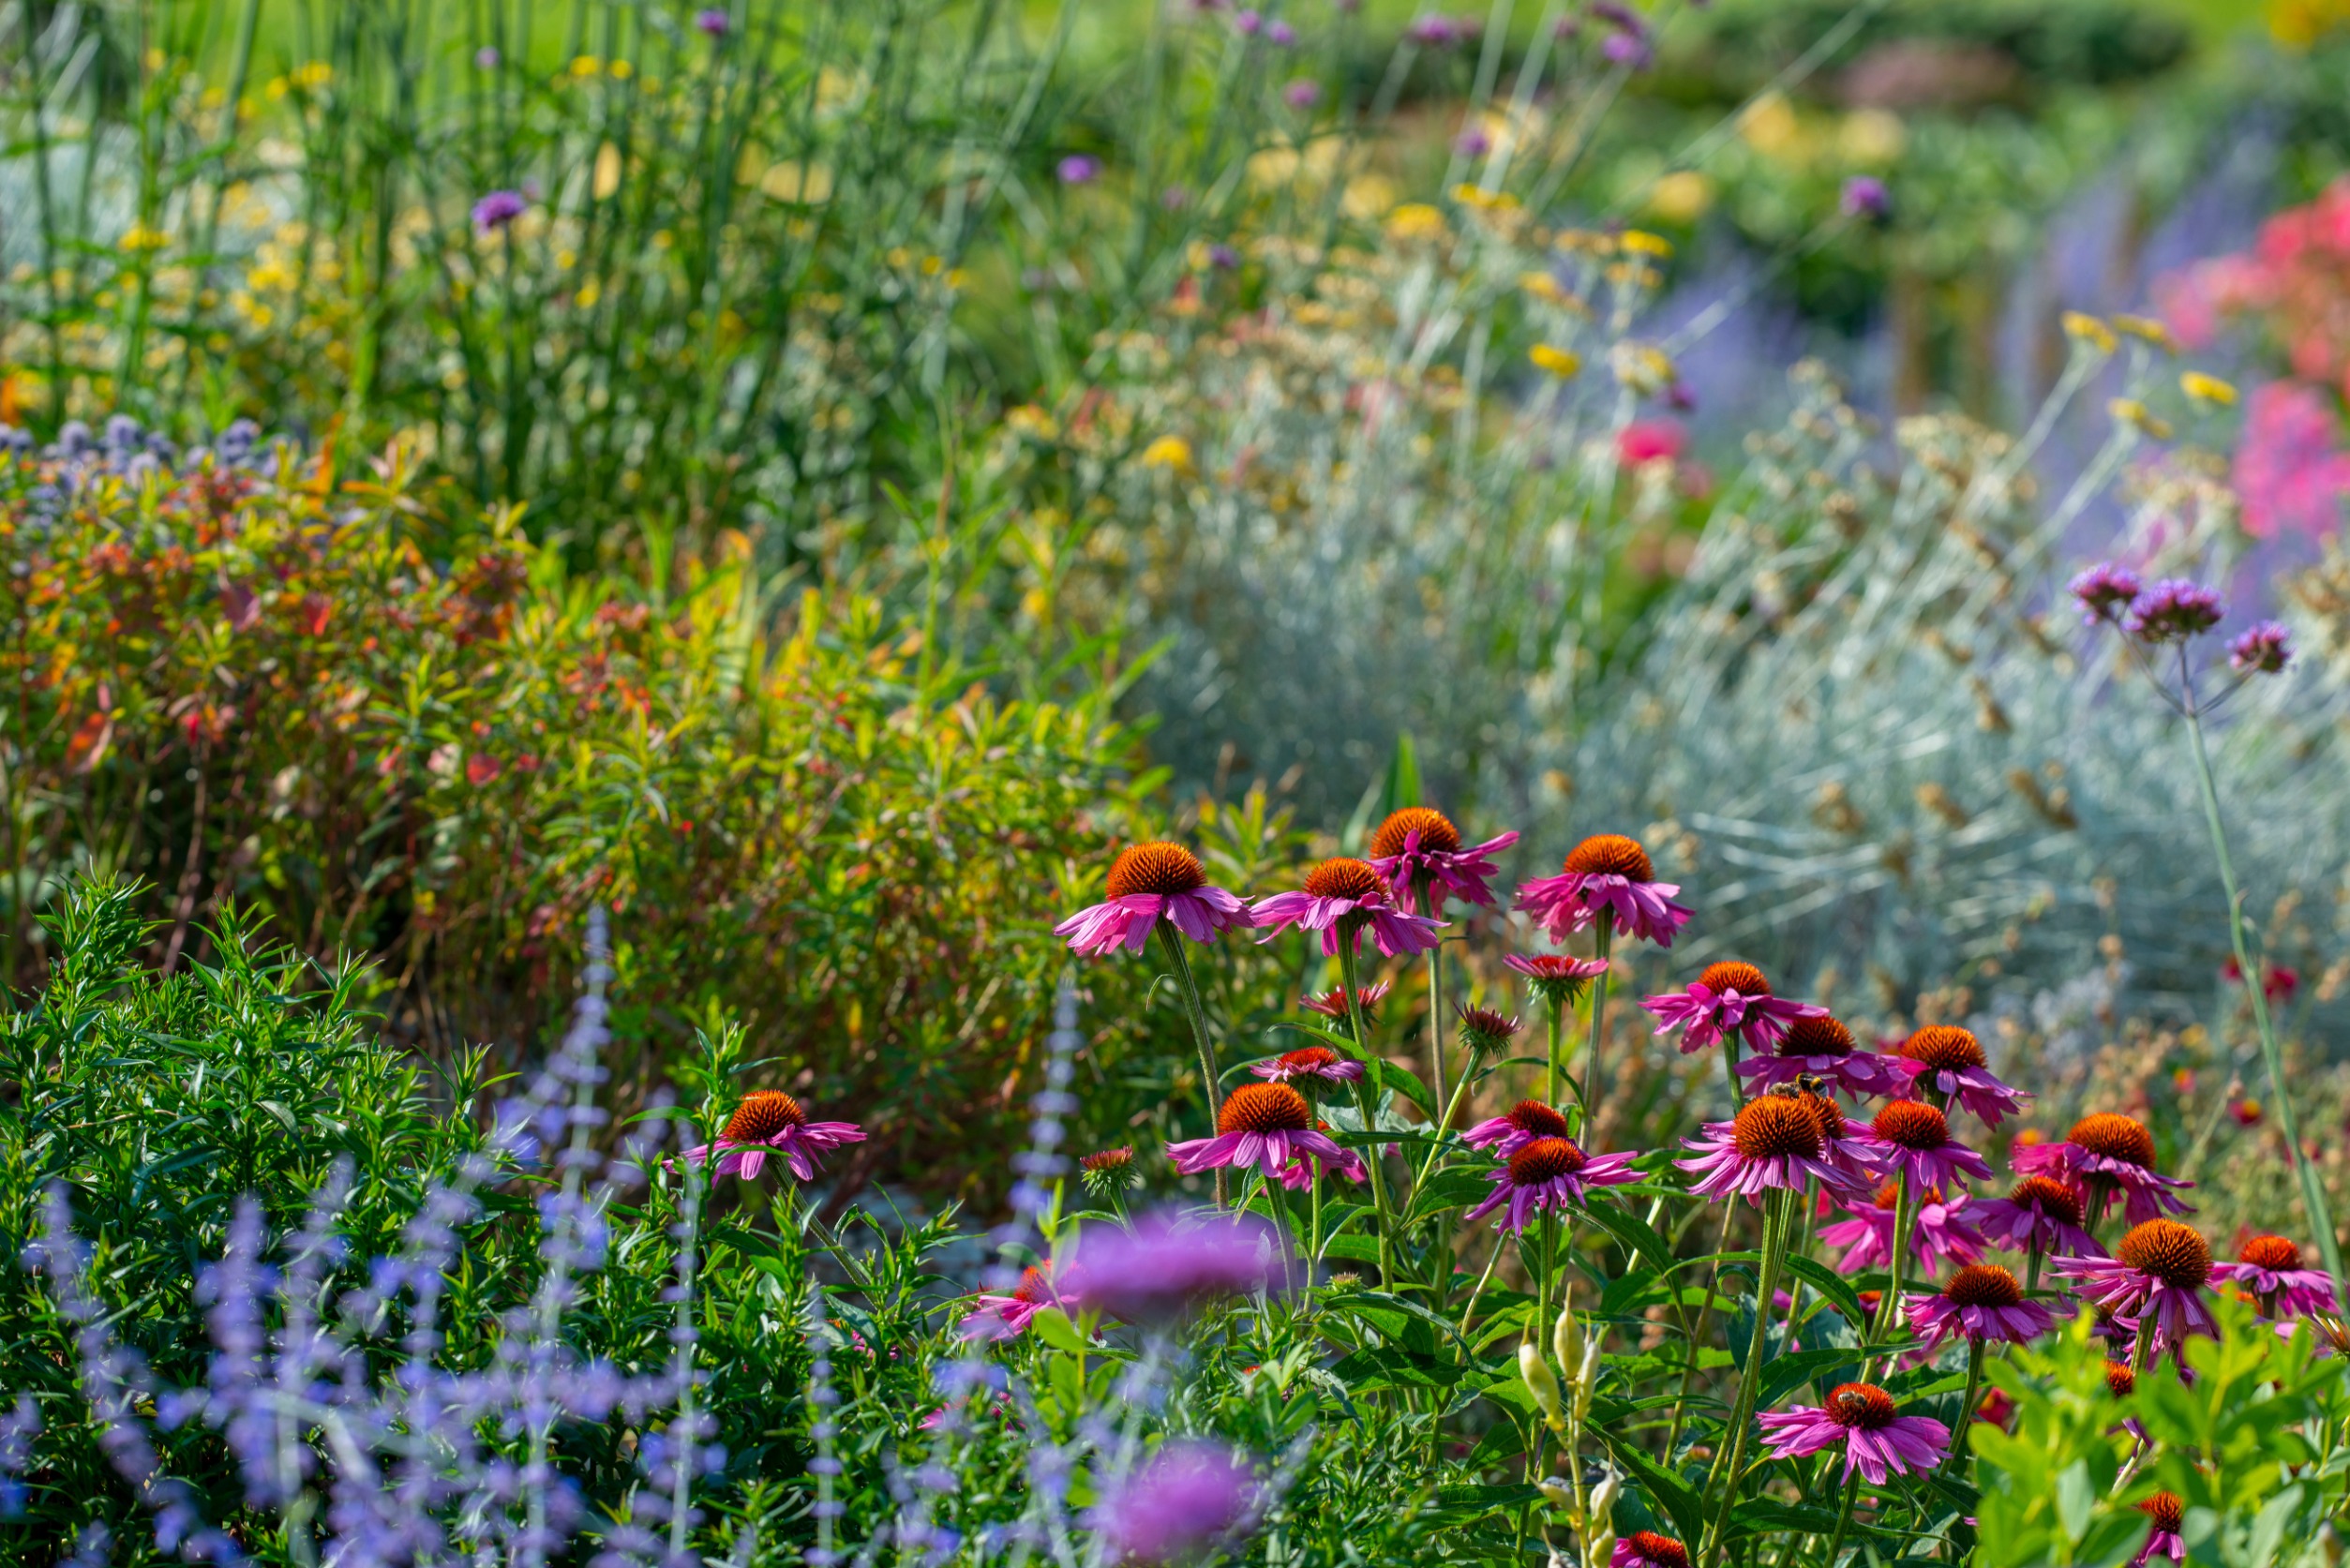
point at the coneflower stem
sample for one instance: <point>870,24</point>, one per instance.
<point>1776,1216</point>
<point>1557,1047</point>
<point>1905,1216</point>
<point>1844,1518</point>
<point>1372,1156</point>
<point>1966,1407</point>
<point>1452,1106</point>
<point>1435,1013</point>
<point>2320,1220</point>
<point>1606,933</point>
<point>1209,1082</point>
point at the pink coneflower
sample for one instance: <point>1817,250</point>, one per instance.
<point>1549,1174</point>
<point>1942,1233</point>
<point>2107,1154</point>
<point>1645,1548</point>
<point>1606,875</point>
<point>1008,1317</point>
<point>1946,1063</point>
<point>1484,1030</point>
<point>1911,1136</point>
<point>1332,1003</point>
<point>1298,1175</point>
<point>2042,1215</point>
<point>1516,1128</point>
<point>1556,978</point>
<point>1266,1125</point>
<point>1341,898</point>
<point>1775,1141</point>
<point>2155,1279</point>
<point>1838,1145</point>
<point>2270,1268</point>
<point>1149,883</point>
<point>1981,1301</point>
<point>1817,1046</point>
<point>1418,847</point>
<point>2165,1513</point>
<point>1727,998</point>
<point>771,1122</point>
<point>1314,1062</point>
<point>1877,1436</point>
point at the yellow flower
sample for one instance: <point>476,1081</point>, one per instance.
<point>1646,243</point>
<point>1168,452</point>
<point>1542,285</point>
<point>2208,389</point>
<point>2088,329</point>
<point>317,73</point>
<point>2130,410</point>
<point>1644,367</point>
<point>1035,423</point>
<point>139,237</point>
<point>621,70</point>
<point>1474,196</point>
<point>2145,329</point>
<point>1561,363</point>
<point>1682,196</point>
<point>585,65</point>
<point>1415,220</point>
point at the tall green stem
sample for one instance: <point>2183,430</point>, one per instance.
<point>1775,1227</point>
<point>1556,1026</point>
<point>1598,1016</point>
<point>2320,1220</point>
<point>1844,1519</point>
<point>1965,1405</point>
<point>1905,1216</point>
<point>1210,1083</point>
<point>1373,1157</point>
<point>1435,1015</point>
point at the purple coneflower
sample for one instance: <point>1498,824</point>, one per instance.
<point>1516,1128</point>
<point>497,209</point>
<point>1911,1137</point>
<point>2106,591</point>
<point>2107,1154</point>
<point>1167,1263</point>
<point>1549,1174</point>
<point>1878,1438</point>
<point>2165,1513</point>
<point>1557,978</point>
<point>1149,883</point>
<point>1008,1317</point>
<point>1484,1030</point>
<point>1950,1063</point>
<point>1299,1173</point>
<point>1190,1497</point>
<point>1727,998</point>
<point>2042,1215</point>
<point>1332,1003</point>
<point>2270,1268</point>
<point>1817,1046</point>
<point>1839,1146</point>
<point>1645,1548</point>
<point>771,1122</point>
<point>2154,1282</point>
<point>1981,1301</point>
<point>1341,897</point>
<point>2174,611</point>
<point>1314,1062</point>
<point>1606,875</point>
<point>1418,847</point>
<point>2263,650</point>
<point>1944,1231</point>
<point>1266,1125</point>
<point>1775,1141</point>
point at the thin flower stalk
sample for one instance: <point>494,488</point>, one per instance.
<point>1373,1157</point>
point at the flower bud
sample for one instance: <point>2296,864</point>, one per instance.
<point>1557,1492</point>
<point>1565,1339</point>
<point>1603,1496</point>
<point>1586,1378</point>
<point>1542,1383</point>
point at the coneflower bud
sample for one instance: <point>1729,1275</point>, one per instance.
<point>1485,1030</point>
<point>1542,1383</point>
<point>1108,1173</point>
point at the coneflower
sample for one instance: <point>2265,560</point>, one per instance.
<point>1548,1173</point>
<point>2270,1268</point>
<point>1944,1061</point>
<point>1772,1142</point>
<point>1341,899</point>
<point>1818,1046</point>
<point>2166,1513</point>
<point>1419,850</point>
<point>1264,1125</point>
<point>1982,1301</point>
<point>2108,1156</point>
<point>1311,1064</point>
<point>1727,999</point>
<point>1332,1003</point>
<point>2156,1279</point>
<point>1149,883</point>
<point>1606,875</point>
<point>770,1121</point>
<point>1909,1137</point>
<point>1866,1421</point>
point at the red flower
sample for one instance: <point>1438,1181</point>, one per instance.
<point>480,768</point>
<point>1645,441</point>
<point>313,614</point>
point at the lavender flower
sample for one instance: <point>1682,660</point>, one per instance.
<point>1166,1264</point>
<point>712,22</point>
<point>1190,1496</point>
<point>1864,196</point>
<point>2264,650</point>
<point>498,208</point>
<point>2104,592</point>
<point>1078,170</point>
<point>2174,611</point>
<point>1304,93</point>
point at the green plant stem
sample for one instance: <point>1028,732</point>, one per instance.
<point>1469,1312</point>
<point>1697,1337</point>
<point>1373,1157</point>
<point>1598,1015</point>
<point>1776,1216</point>
<point>1435,1015</point>
<point>1905,1216</point>
<point>1172,940</point>
<point>1844,1519</point>
<point>1556,1029</point>
<point>1966,1407</point>
<point>1452,1107</point>
<point>1549,1252</point>
<point>2320,1218</point>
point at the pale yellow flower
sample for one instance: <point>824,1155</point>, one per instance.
<point>2131,412</point>
<point>1415,220</point>
<point>2145,329</point>
<point>1168,452</point>
<point>2088,329</point>
<point>2208,389</point>
<point>1646,243</point>
<point>1561,363</point>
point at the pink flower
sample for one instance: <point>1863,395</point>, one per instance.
<point>1340,899</point>
<point>1650,440</point>
<point>1549,1174</point>
<point>2261,650</point>
<point>770,1120</point>
<point>1727,998</point>
<point>2043,1215</point>
<point>2288,469</point>
<point>1149,883</point>
<point>1950,1063</point>
<point>2106,591</point>
<point>1516,1128</point>
<point>1008,1317</point>
<point>1878,1438</point>
<point>1189,1498</point>
<point>1645,1548</point>
<point>1557,978</point>
<point>2158,1275</point>
<point>1266,1125</point>
<point>1315,1062</point>
<point>1819,1047</point>
<point>1911,1137</point>
<point>1332,1003</point>
<point>2165,1513</point>
<point>2106,1155</point>
<point>1944,1231</point>
<point>2270,1268</point>
<point>1167,1263</point>
<point>1418,846</point>
<point>1298,1175</point>
<point>1981,1301</point>
<point>2174,611</point>
<point>1610,875</point>
<point>1775,1141</point>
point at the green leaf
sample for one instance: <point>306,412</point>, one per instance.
<point>1378,1366</point>
<point>1787,1373</point>
<point>1828,1283</point>
<point>1677,1495</point>
<point>1054,1327</point>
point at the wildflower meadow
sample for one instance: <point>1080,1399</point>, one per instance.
<point>1325,784</point>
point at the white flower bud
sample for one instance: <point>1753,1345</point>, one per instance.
<point>1586,1378</point>
<point>1541,1382</point>
<point>1566,1343</point>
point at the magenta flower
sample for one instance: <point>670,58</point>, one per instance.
<point>1611,876</point>
<point>1314,1062</point>
<point>1950,1063</point>
<point>1727,998</point>
<point>2174,611</point>
<point>1775,1141</point>
<point>1516,1128</point>
<point>1264,1124</point>
<point>1864,195</point>
<point>1304,93</point>
<point>2043,1215</point>
<point>1943,1232</point>
<point>1298,1175</point>
<point>711,23</point>
<point>2264,650</point>
<point>2157,1276</point>
<point>1149,883</point>
<point>1981,1301</point>
<point>2270,1268</point>
<point>1645,1548</point>
<point>2106,591</point>
<point>1008,1317</point>
<point>1332,1003</point>
<point>2289,469</point>
<point>1557,978</point>
<point>1417,847</point>
<point>1079,170</point>
<point>1167,1263</point>
<point>1189,1498</point>
<point>1911,1137</point>
<point>2164,1514</point>
<point>1549,1174</point>
<point>1878,1438</point>
<point>1340,899</point>
<point>1818,1046</point>
<point>497,209</point>
<point>2107,1155</point>
<point>771,1122</point>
